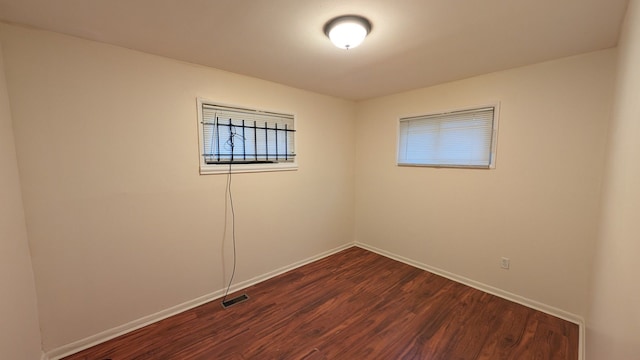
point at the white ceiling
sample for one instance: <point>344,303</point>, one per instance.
<point>414,43</point>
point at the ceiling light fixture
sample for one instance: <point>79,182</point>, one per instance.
<point>347,32</point>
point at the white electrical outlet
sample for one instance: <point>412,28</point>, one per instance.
<point>504,263</point>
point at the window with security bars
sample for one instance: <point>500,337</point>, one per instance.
<point>464,138</point>
<point>248,139</point>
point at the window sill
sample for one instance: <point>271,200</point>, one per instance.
<point>208,169</point>
<point>445,166</point>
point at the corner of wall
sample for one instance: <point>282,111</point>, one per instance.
<point>20,333</point>
<point>612,320</point>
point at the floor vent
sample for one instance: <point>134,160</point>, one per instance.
<point>235,300</point>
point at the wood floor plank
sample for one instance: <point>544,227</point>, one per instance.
<point>352,305</point>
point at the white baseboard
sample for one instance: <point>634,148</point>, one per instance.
<point>77,346</point>
<point>44,356</point>
<point>576,319</point>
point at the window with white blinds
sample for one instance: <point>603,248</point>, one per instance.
<point>244,139</point>
<point>464,138</point>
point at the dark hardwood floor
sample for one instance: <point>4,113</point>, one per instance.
<point>352,305</point>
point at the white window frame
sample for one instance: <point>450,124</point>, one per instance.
<point>206,168</point>
<point>494,137</point>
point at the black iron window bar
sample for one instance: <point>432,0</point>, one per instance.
<point>244,155</point>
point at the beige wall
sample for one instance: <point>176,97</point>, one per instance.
<point>539,207</point>
<point>19,332</point>
<point>613,324</point>
<point>121,224</point>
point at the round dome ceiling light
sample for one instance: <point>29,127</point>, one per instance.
<point>347,32</point>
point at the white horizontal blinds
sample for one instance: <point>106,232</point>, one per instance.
<point>461,138</point>
<point>239,135</point>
